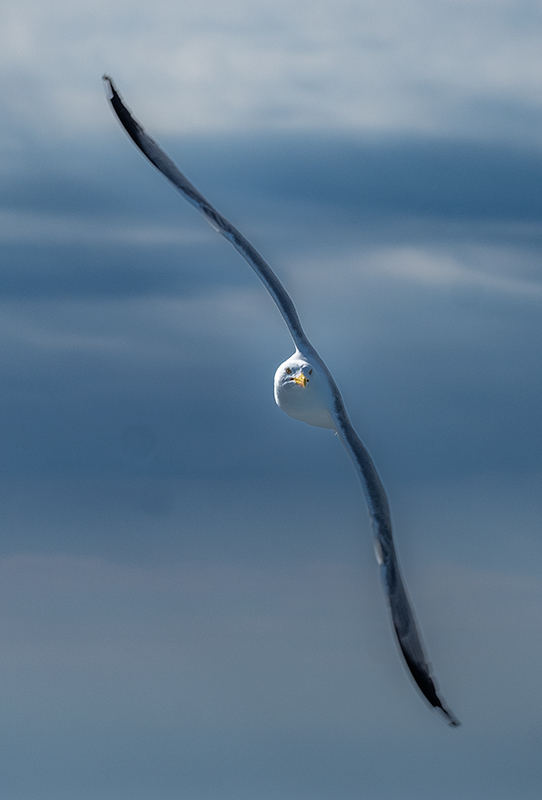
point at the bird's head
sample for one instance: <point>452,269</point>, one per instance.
<point>301,391</point>
<point>295,371</point>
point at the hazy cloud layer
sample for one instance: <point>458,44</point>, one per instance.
<point>447,67</point>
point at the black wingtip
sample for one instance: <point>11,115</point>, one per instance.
<point>427,685</point>
<point>130,125</point>
<point>452,720</point>
<point>109,81</point>
<point>437,703</point>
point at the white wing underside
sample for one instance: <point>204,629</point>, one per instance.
<point>402,615</point>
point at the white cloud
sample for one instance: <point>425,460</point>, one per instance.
<point>446,67</point>
<point>447,270</point>
<point>493,269</point>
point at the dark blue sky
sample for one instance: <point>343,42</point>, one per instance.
<point>189,603</point>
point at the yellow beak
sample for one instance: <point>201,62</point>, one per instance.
<point>301,380</point>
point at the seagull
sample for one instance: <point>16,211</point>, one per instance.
<point>305,390</point>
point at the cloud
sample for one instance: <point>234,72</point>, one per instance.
<point>137,310</point>
<point>189,599</point>
<point>20,226</point>
<point>456,68</point>
<point>231,650</point>
<point>188,589</point>
<point>444,270</point>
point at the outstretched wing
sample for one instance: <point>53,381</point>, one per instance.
<point>401,612</point>
<point>165,165</point>
<point>402,615</point>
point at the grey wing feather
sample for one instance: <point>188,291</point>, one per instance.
<point>165,165</point>
<point>401,612</point>
<point>402,615</point>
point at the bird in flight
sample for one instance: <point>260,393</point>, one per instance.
<point>305,390</point>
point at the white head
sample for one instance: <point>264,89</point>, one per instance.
<point>301,390</point>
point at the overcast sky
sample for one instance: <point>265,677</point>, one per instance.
<point>189,602</point>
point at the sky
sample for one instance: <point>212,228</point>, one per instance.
<point>189,602</point>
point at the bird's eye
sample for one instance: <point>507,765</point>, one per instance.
<point>288,371</point>
<point>310,372</point>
